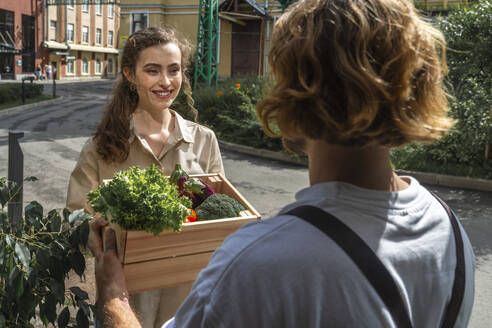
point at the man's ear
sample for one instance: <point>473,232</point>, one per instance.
<point>128,74</point>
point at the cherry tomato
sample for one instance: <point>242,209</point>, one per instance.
<point>190,215</point>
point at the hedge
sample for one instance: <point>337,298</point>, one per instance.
<point>13,91</point>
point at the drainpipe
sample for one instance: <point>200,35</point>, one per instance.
<point>43,19</point>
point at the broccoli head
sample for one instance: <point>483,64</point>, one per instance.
<point>218,206</point>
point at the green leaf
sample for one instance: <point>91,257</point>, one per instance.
<point>33,210</point>
<point>4,195</point>
<point>84,233</point>
<point>66,215</point>
<point>58,290</point>
<point>79,293</point>
<point>10,241</point>
<point>85,307</point>
<point>16,282</point>
<point>2,251</point>
<point>63,318</point>
<point>82,320</point>
<point>78,262</point>
<point>78,215</point>
<point>23,254</point>
<point>55,221</point>
<point>50,310</point>
<point>43,257</point>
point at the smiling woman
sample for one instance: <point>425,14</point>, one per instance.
<point>138,128</point>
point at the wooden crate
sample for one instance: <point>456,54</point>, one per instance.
<point>174,258</point>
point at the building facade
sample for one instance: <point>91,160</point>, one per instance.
<point>81,38</point>
<point>244,28</point>
<point>244,32</point>
<point>20,38</point>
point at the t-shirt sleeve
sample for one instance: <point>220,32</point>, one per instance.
<point>83,179</point>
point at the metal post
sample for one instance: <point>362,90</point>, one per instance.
<point>54,84</point>
<point>16,174</point>
<point>23,93</point>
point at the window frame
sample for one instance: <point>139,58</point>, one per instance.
<point>98,36</point>
<point>86,70</point>
<point>133,21</point>
<point>98,68</point>
<point>70,36</point>
<point>99,9</point>
<point>110,65</point>
<point>110,44</point>
<point>67,71</point>
<point>85,6</point>
<point>85,34</point>
<point>110,10</point>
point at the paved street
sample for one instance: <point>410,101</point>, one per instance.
<point>55,135</point>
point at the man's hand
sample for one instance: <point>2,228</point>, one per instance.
<point>110,278</point>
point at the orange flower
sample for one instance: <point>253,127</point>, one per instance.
<point>220,93</point>
<point>238,86</point>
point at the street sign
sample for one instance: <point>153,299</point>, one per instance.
<point>70,57</point>
<point>61,53</point>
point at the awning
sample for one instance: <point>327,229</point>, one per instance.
<point>78,47</point>
<point>227,5</point>
<point>7,44</point>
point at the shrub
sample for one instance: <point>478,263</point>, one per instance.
<point>230,112</point>
<point>13,91</point>
<point>36,256</point>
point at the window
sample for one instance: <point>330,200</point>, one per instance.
<point>138,22</point>
<point>98,36</point>
<point>70,32</point>
<point>69,3</point>
<point>28,44</point>
<point>110,9</point>
<point>99,7</point>
<point>110,66</point>
<point>85,66</point>
<point>53,24</point>
<point>98,66</point>
<point>85,5</point>
<point>85,34</point>
<point>110,38</point>
<point>70,65</point>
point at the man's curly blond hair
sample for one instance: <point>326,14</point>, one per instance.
<point>356,72</point>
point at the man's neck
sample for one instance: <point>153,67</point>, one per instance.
<point>366,167</point>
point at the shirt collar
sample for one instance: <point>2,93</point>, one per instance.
<point>181,130</point>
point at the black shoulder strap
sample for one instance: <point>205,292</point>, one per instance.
<point>362,255</point>
<point>374,270</point>
<point>458,292</point>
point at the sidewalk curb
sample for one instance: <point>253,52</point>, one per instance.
<point>422,177</point>
<point>22,108</point>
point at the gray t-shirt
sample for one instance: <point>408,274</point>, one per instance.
<point>284,272</point>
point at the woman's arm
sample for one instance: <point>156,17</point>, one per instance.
<point>83,179</point>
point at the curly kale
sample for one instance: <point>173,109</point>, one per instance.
<point>141,199</point>
<point>218,206</point>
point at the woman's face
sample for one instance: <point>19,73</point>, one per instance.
<point>158,76</point>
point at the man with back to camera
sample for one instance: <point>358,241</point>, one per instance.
<point>353,78</point>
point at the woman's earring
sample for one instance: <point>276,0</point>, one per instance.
<point>133,87</point>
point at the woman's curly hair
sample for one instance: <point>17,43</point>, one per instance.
<point>113,132</point>
<point>356,72</point>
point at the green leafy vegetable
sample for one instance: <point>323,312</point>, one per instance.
<point>141,199</point>
<point>218,206</point>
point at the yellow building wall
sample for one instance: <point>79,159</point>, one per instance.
<point>225,49</point>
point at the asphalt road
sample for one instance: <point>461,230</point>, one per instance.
<point>55,134</point>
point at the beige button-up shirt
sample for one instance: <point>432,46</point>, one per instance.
<point>193,146</point>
